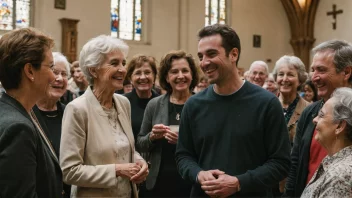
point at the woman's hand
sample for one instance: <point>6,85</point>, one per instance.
<point>127,170</point>
<point>142,174</point>
<point>158,132</point>
<point>171,136</point>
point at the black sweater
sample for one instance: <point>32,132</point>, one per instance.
<point>243,134</point>
<point>138,106</point>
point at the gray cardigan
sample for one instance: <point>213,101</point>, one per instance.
<point>156,112</point>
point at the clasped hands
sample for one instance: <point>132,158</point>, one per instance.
<point>160,131</point>
<point>136,172</point>
<point>217,184</point>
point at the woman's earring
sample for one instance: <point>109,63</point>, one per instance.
<point>32,79</point>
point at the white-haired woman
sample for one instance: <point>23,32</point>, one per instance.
<point>333,178</point>
<point>97,146</point>
<point>290,74</point>
<point>49,110</point>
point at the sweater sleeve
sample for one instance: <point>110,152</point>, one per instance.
<point>72,148</point>
<point>277,148</point>
<point>186,157</point>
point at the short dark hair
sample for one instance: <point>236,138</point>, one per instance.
<point>229,37</point>
<point>165,66</point>
<point>137,61</point>
<point>17,48</point>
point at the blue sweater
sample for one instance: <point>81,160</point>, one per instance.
<point>243,134</point>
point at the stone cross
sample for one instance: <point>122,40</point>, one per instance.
<point>334,13</point>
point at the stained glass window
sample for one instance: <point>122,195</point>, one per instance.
<point>14,14</point>
<point>126,19</point>
<point>215,12</point>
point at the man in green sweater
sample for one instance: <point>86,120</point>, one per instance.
<point>233,139</point>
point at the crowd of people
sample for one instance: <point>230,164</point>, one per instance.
<point>107,126</point>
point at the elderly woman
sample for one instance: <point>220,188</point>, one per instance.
<point>97,152</point>
<point>271,85</point>
<point>49,110</point>
<point>334,134</point>
<point>29,166</point>
<point>178,76</point>
<point>141,71</point>
<point>289,73</point>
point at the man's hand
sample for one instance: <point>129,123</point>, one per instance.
<point>142,174</point>
<point>224,186</point>
<point>208,175</point>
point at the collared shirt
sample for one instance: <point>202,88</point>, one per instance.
<point>333,177</point>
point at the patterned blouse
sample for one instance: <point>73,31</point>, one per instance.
<point>333,177</point>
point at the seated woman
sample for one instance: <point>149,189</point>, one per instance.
<point>289,73</point>
<point>97,152</point>
<point>333,178</point>
<point>310,91</point>
<point>178,76</point>
<point>49,110</point>
<point>29,166</point>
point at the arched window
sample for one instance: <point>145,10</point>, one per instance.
<point>14,14</point>
<point>215,12</point>
<point>126,19</point>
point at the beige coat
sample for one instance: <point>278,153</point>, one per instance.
<point>87,157</point>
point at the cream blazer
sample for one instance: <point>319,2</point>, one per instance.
<point>87,157</point>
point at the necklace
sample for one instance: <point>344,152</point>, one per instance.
<point>178,113</point>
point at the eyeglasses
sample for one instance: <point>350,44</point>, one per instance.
<point>140,73</point>
<point>58,72</point>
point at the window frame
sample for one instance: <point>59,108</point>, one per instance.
<point>31,16</point>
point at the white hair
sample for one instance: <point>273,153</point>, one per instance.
<point>295,62</point>
<point>60,58</point>
<point>95,50</point>
<point>342,109</point>
<point>261,63</point>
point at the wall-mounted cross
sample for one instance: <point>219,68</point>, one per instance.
<point>334,13</point>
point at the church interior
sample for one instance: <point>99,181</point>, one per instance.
<point>267,29</point>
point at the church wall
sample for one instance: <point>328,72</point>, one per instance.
<point>268,19</point>
<point>323,30</point>
<point>174,24</point>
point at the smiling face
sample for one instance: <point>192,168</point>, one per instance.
<point>258,75</point>
<point>308,93</point>
<point>143,78</point>
<point>179,76</point>
<point>213,60</point>
<point>58,87</point>
<point>324,75</point>
<point>44,77</point>
<point>78,75</point>
<point>111,73</point>
<point>287,79</point>
<point>270,84</point>
<point>325,125</point>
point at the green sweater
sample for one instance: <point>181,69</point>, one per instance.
<point>243,134</point>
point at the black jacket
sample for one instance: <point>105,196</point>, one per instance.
<point>27,166</point>
<point>297,177</point>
